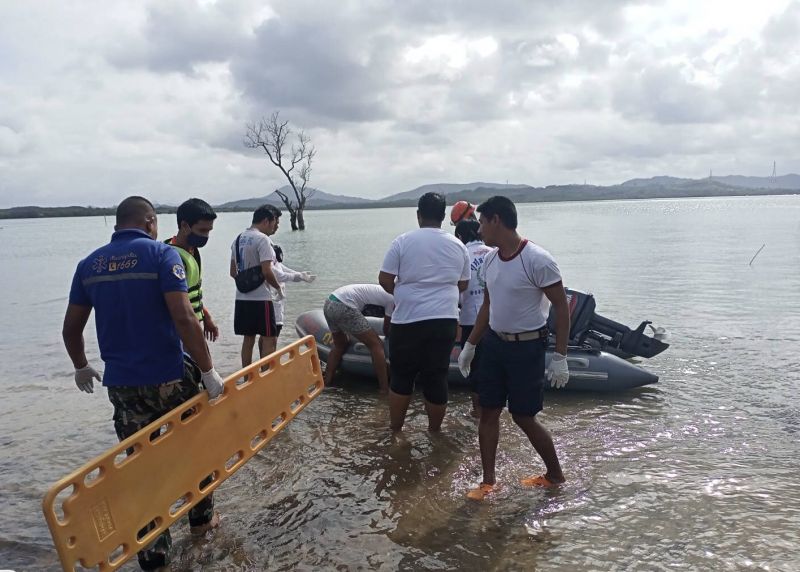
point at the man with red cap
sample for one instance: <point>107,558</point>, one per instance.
<point>462,210</point>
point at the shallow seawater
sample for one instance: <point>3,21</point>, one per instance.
<point>698,472</point>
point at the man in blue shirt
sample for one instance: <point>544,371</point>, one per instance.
<point>137,287</point>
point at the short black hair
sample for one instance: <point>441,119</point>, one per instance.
<point>502,207</point>
<point>431,207</point>
<point>193,210</point>
<point>133,210</point>
<point>268,212</point>
<point>467,230</point>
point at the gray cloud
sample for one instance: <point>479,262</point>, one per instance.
<point>154,97</point>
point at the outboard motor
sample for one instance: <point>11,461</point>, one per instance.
<point>589,328</point>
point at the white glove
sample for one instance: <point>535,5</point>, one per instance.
<point>558,372</point>
<point>307,277</point>
<point>465,358</point>
<point>279,294</point>
<point>212,382</point>
<point>84,378</point>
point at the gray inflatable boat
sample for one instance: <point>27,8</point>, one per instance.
<point>597,356</point>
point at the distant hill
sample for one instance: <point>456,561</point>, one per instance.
<point>790,181</point>
<point>446,189</point>
<point>651,188</point>
<point>655,188</point>
<point>320,199</point>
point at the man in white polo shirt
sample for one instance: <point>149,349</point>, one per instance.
<point>425,270</point>
<point>522,280</point>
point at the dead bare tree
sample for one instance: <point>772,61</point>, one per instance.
<point>272,137</point>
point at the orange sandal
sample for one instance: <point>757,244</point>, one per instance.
<point>480,493</point>
<point>538,481</point>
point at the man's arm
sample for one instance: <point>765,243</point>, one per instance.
<point>189,328</point>
<point>234,271</point>
<point>210,328</point>
<point>386,281</point>
<point>387,324</point>
<point>269,275</point>
<point>558,298</point>
<point>72,332</point>
<point>482,321</point>
<point>462,285</point>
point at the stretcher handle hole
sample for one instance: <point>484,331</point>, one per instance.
<point>161,433</point>
<point>180,504</point>
<point>119,554</point>
<point>190,414</point>
<point>234,461</point>
<point>60,502</point>
<point>258,439</point>
<point>278,421</point>
<point>208,481</point>
<point>297,404</point>
<point>148,531</point>
<point>124,457</point>
<point>93,476</point>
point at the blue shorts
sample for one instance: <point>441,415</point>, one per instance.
<point>513,373</point>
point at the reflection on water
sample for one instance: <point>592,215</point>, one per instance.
<point>696,473</point>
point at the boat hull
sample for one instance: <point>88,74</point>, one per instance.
<point>590,369</point>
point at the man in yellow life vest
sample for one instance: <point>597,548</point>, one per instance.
<point>195,223</point>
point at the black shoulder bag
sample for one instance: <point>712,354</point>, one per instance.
<point>249,279</point>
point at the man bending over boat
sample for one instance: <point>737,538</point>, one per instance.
<point>343,313</point>
<point>137,288</point>
<point>522,280</point>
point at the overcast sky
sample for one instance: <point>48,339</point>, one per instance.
<point>103,99</point>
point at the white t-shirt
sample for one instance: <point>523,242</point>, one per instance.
<point>359,295</point>
<point>255,247</point>
<point>515,288</point>
<point>428,263</point>
<point>472,297</point>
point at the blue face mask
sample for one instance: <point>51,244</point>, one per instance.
<point>196,240</point>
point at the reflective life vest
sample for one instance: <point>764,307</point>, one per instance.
<point>194,281</point>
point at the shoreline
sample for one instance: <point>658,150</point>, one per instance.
<point>474,196</point>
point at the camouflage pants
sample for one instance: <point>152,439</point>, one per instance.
<point>136,407</point>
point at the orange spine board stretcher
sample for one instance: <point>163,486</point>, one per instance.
<point>115,495</point>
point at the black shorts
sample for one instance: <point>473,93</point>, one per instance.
<point>254,318</point>
<point>420,355</point>
<point>512,372</point>
<point>472,378</point>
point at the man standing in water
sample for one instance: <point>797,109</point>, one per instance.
<point>425,270</point>
<point>472,297</point>
<point>137,287</point>
<point>195,223</point>
<point>254,312</point>
<point>522,280</point>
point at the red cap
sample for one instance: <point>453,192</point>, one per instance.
<point>462,210</point>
